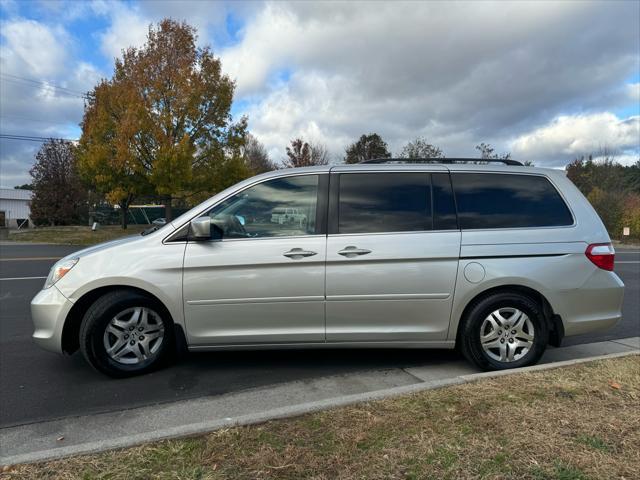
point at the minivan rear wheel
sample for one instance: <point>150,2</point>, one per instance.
<point>504,330</point>
<point>126,333</point>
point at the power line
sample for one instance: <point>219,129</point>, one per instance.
<point>33,138</point>
<point>44,83</point>
<point>27,119</point>
<point>39,83</point>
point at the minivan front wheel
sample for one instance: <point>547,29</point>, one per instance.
<point>134,336</point>
<point>504,330</point>
<point>126,333</point>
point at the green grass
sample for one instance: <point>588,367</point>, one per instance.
<point>74,235</point>
<point>594,441</point>
<point>559,471</point>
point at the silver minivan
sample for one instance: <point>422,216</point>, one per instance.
<point>495,260</point>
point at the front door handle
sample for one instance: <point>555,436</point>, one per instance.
<point>298,253</point>
<point>351,252</point>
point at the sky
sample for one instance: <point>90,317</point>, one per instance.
<point>546,81</point>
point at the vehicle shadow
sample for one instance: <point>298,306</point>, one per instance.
<point>256,368</point>
<point>67,386</point>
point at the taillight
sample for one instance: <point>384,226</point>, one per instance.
<point>602,255</point>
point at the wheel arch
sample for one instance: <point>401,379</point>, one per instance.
<point>554,322</point>
<point>71,329</point>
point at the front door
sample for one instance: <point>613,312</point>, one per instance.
<point>392,257</point>
<point>260,278</point>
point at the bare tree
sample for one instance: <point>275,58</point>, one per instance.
<point>305,154</point>
<point>487,152</point>
<point>255,156</point>
<point>420,148</point>
<point>319,154</point>
<point>58,194</point>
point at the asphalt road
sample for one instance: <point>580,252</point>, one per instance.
<point>36,385</point>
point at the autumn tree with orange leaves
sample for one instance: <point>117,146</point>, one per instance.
<point>162,124</point>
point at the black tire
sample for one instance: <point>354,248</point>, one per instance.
<point>470,331</point>
<point>97,319</point>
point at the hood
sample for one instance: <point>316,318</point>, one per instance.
<point>118,242</point>
<point>103,246</point>
<point>165,230</point>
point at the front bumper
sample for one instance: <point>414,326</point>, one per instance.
<point>49,309</point>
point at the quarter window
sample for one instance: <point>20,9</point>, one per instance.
<point>275,208</point>
<point>492,200</point>
<point>378,202</point>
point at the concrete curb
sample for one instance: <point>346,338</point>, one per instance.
<point>284,412</point>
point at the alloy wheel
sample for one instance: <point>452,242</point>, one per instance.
<point>134,336</point>
<point>507,334</point>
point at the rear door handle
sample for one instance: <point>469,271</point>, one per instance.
<point>351,252</point>
<point>298,253</point>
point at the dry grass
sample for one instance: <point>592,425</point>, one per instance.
<point>572,423</point>
<point>74,235</point>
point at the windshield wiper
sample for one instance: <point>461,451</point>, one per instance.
<point>149,230</point>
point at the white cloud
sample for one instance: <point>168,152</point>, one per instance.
<point>128,29</point>
<point>568,137</point>
<point>285,114</point>
<point>33,47</point>
<point>35,59</point>
<point>457,73</point>
<point>130,22</point>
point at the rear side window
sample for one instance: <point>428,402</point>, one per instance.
<point>492,200</point>
<point>391,202</point>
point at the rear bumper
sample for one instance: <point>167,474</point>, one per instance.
<point>596,305</point>
<point>49,309</point>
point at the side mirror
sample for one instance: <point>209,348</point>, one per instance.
<point>201,228</point>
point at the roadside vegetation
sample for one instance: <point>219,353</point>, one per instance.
<point>578,422</point>
<point>74,234</point>
<point>160,131</point>
<point>612,189</point>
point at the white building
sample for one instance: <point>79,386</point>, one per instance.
<point>15,211</point>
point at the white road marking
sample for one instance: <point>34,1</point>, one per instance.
<point>22,278</point>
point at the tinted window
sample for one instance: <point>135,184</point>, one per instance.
<point>491,200</point>
<point>279,207</point>
<point>377,202</point>
<point>444,207</point>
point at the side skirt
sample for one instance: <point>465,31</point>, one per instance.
<point>301,346</point>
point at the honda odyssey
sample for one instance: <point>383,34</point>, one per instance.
<point>496,260</point>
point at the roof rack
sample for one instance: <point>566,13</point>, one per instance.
<point>443,160</point>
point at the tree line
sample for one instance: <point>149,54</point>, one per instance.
<point>612,189</point>
<point>161,130</point>
<point>69,180</point>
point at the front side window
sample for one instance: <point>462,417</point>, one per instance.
<point>384,202</point>
<point>275,208</point>
<point>493,200</point>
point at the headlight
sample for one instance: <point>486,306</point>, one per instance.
<point>59,270</point>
